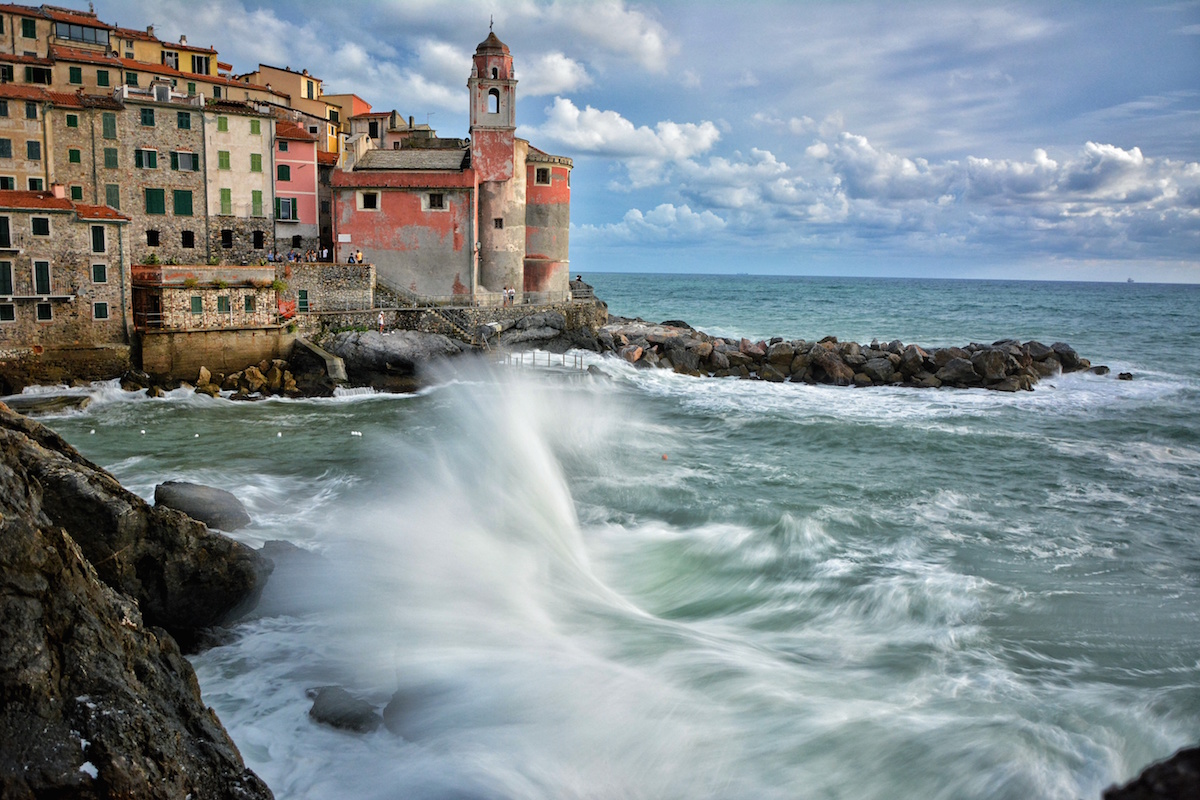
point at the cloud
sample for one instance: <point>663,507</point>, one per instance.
<point>610,27</point>
<point>664,223</point>
<point>552,73</point>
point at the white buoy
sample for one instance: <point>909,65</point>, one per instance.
<point>279,434</point>
<point>196,436</point>
<point>143,431</point>
<point>92,432</point>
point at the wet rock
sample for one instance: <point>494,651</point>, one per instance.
<point>373,359</point>
<point>1172,779</point>
<point>1125,376</point>
<point>38,404</point>
<point>1100,370</point>
<point>993,364</point>
<point>334,706</point>
<point>879,370</point>
<point>772,373</point>
<point>1066,356</point>
<point>216,508</point>
<point>830,363</point>
<point>959,372</point>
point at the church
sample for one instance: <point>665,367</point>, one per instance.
<point>459,219</point>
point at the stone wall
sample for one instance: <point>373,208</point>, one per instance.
<point>180,354</point>
<point>241,249</point>
<point>330,286</point>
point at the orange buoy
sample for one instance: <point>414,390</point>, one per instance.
<point>664,456</point>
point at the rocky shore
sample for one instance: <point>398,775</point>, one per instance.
<point>1006,366</point>
<point>97,590</point>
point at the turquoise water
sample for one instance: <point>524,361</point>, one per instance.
<point>818,592</point>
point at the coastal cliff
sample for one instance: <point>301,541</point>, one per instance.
<point>96,698</point>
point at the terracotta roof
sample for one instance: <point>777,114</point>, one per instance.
<point>414,159</point>
<point>23,91</point>
<point>185,46</point>
<point>41,201</point>
<point>27,10</point>
<point>292,131</point>
<point>99,212</point>
<point>73,17</point>
<point>327,159</point>
<point>492,44</point>
<point>134,33</point>
<point>61,52</point>
<point>44,62</point>
<point>372,114</point>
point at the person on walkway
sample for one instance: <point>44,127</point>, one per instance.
<point>381,322</point>
<point>358,257</point>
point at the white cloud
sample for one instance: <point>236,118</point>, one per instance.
<point>551,73</point>
<point>611,27</point>
<point>665,223</point>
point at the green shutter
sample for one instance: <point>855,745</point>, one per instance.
<point>295,209</point>
<point>112,195</point>
<point>226,201</point>
<point>222,124</point>
<point>102,77</point>
<point>76,192</point>
<point>276,208</point>
<point>223,304</point>
<point>72,120</point>
<point>110,158</point>
<point>6,281</point>
<point>256,161</point>
<point>182,202</point>
<point>197,304</point>
<point>74,156</point>
<point>174,160</point>
<point>156,201</point>
<point>256,207</point>
<point>76,74</point>
<point>256,127</point>
<point>148,117</point>
<point>110,125</point>
<point>222,159</point>
<point>283,173</point>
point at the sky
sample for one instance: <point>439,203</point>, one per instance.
<point>1053,140</point>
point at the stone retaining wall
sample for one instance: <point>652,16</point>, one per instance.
<point>180,354</point>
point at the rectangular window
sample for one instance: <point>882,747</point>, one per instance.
<point>99,310</point>
<point>5,148</point>
<point>283,173</point>
<point>223,124</point>
<point>311,90</point>
<point>110,125</point>
<point>8,313</point>
<point>200,65</point>
<point>97,238</point>
<point>256,203</point>
<point>6,74</point>
<point>187,239</point>
<point>31,109</point>
<point>102,77</point>
<point>259,240</point>
<point>131,78</point>
<point>5,238</point>
<point>76,192</point>
<point>302,300</point>
<point>41,277</point>
<point>191,87</point>
<point>256,162</point>
<point>283,146</point>
<point>227,201</point>
<point>35,185</point>
<point>370,200</point>
<point>148,117</point>
<point>437,200</point>
<point>182,202</point>
<point>183,120</point>
<point>145,159</point>
<point>216,92</point>
<point>112,195</point>
<point>110,158</point>
<point>170,59</point>
<point>4,103</point>
<point>33,150</point>
<point>152,235</point>
<point>74,156</point>
<point>186,162</point>
<point>226,238</point>
<point>41,75</point>
<point>6,281</point>
<point>373,129</point>
<point>222,159</point>
<point>72,120</point>
<point>28,28</point>
<point>248,303</point>
<point>75,74</point>
<point>256,127</point>
<point>197,304</point>
<point>498,223</point>
<point>223,304</point>
<point>40,226</point>
<point>286,208</point>
<point>99,273</point>
<point>542,176</point>
<point>44,314</point>
<point>8,183</point>
<point>156,202</point>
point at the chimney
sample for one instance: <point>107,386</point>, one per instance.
<point>150,29</point>
<point>410,121</point>
<point>183,39</point>
<point>58,190</point>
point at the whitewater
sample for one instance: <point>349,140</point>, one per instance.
<point>658,586</point>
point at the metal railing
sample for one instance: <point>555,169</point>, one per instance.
<point>487,299</point>
<point>532,358</point>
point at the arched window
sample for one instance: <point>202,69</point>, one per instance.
<point>493,101</point>
<point>495,73</point>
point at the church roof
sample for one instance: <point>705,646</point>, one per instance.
<point>492,44</point>
<point>414,158</point>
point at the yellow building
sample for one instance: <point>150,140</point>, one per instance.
<point>306,95</point>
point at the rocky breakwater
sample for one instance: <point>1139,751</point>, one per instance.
<point>396,361</point>
<point>1006,366</point>
<point>96,586</point>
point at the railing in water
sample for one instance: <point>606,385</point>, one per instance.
<point>532,358</point>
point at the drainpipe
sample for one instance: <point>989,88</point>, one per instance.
<point>95,174</point>
<point>47,154</point>
<point>125,301</point>
<point>207,216</point>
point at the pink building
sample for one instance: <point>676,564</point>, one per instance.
<point>296,221</point>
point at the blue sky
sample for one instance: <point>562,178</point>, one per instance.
<point>1055,140</point>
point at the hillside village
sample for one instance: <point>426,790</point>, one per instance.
<point>152,199</point>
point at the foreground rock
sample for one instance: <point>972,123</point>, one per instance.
<point>1176,777</point>
<point>97,701</point>
<point>216,508</point>
<point>334,706</point>
<point>1006,366</point>
<point>396,361</point>
<point>184,577</point>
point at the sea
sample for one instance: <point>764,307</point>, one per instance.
<point>647,585</point>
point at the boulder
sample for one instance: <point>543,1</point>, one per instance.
<point>1011,383</point>
<point>718,360</point>
<point>1066,356</point>
<point>756,350</point>
<point>1036,350</point>
<point>253,380</point>
<point>944,355</point>
<point>863,379</point>
<point>1124,376</point>
<point>781,354</point>
<point>770,372</point>
<point>993,364</point>
<point>1100,370</point>
<point>334,706</point>
<point>1047,367</point>
<point>183,576</point>
<point>96,701</point>
<point>912,360</point>
<point>879,370</point>
<point>630,353</point>
<point>204,377</point>
<point>370,354</point>
<point>959,372</point>
<point>210,389</point>
<point>216,508</point>
<point>835,370</point>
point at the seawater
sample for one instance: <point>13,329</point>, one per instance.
<point>657,586</point>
